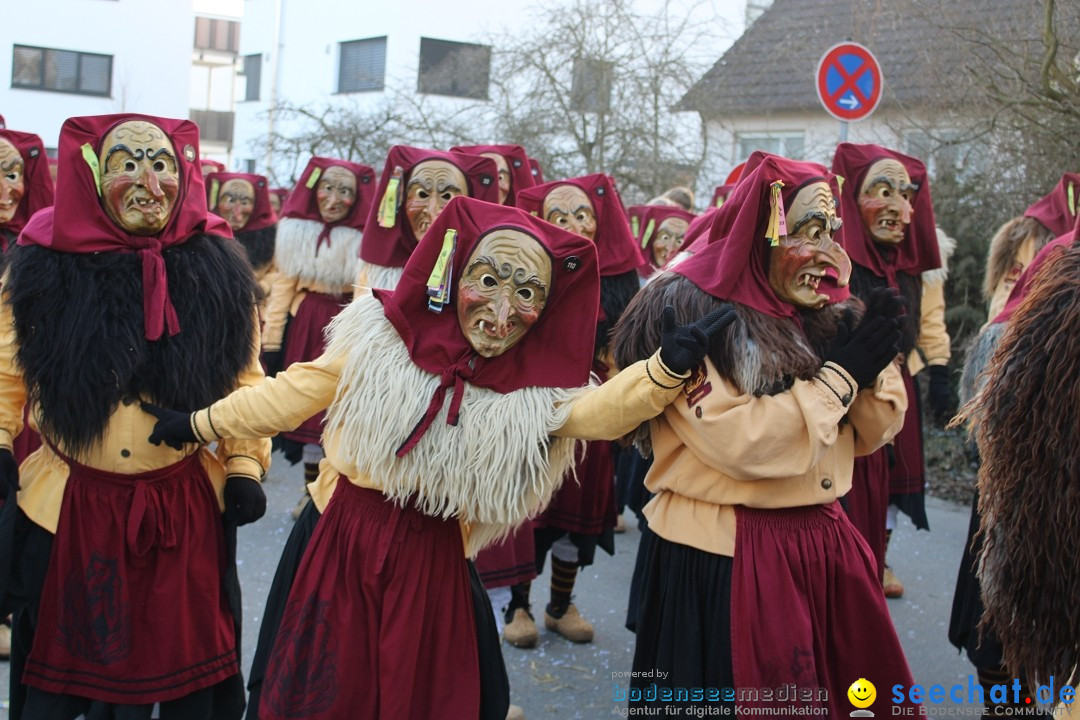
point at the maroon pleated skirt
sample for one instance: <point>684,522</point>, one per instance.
<point>908,474</point>
<point>509,562</point>
<point>132,610</point>
<point>807,609</point>
<point>867,503</point>
<point>586,505</point>
<point>379,622</point>
<point>307,341</point>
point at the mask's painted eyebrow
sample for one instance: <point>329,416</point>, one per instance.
<point>482,260</point>
<point>163,151</point>
<point>809,218</point>
<point>533,280</point>
<point>883,179</point>
<point>449,185</point>
<point>135,155</point>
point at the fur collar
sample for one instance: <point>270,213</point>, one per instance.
<point>496,468</point>
<point>379,277</point>
<point>758,354</point>
<point>79,326</point>
<point>946,248</point>
<point>299,255</point>
<point>259,246</point>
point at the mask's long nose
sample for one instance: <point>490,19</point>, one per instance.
<point>835,256</point>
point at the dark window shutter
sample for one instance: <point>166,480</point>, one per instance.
<point>362,65</point>
<point>454,69</point>
<point>253,73</point>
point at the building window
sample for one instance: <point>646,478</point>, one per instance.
<point>590,90</point>
<point>67,71</point>
<point>454,69</point>
<point>253,73</point>
<point>215,34</point>
<point>790,145</point>
<point>362,65</point>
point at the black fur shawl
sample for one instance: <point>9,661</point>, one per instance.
<point>9,238</point>
<point>259,245</point>
<point>616,292</point>
<point>863,280</point>
<point>79,325</point>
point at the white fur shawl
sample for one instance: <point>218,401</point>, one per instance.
<point>379,277</point>
<point>335,263</point>
<point>946,247</point>
<point>497,467</point>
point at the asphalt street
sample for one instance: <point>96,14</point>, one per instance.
<point>561,681</point>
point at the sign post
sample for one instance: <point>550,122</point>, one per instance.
<point>848,82</point>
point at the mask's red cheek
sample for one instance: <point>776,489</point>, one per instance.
<point>115,190</point>
<point>170,186</point>
<point>529,316</point>
<point>470,297</point>
<point>793,259</point>
<point>870,208</point>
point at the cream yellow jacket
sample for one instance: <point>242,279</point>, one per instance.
<point>715,447</point>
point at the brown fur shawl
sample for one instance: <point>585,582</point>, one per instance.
<point>1027,424</point>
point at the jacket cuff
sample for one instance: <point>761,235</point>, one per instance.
<point>840,382</point>
<point>244,465</point>
<point>203,426</point>
<point>7,442</point>
<point>661,375</point>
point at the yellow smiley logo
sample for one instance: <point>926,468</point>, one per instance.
<point>862,693</point>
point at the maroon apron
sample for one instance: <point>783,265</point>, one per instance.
<point>132,609</point>
<point>509,562</point>
<point>585,505</point>
<point>807,609</point>
<point>379,623</point>
<point>27,441</point>
<point>908,475</point>
<point>306,342</point>
<point>867,503</point>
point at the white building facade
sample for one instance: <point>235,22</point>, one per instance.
<point>64,58</point>
<point>317,53</point>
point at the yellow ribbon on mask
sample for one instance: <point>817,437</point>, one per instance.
<point>1072,199</point>
<point>648,233</point>
<point>313,178</point>
<point>777,221</point>
<point>391,199</point>
<point>91,159</point>
<point>438,282</point>
<point>215,186</point>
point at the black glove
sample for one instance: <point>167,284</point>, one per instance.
<point>885,302</point>
<point>172,428</point>
<point>245,501</point>
<point>939,394</point>
<point>683,347</point>
<point>868,349</point>
<point>271,360</point>
<point>9,475</point>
